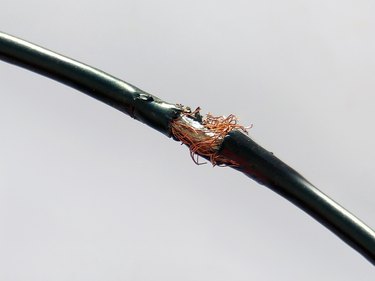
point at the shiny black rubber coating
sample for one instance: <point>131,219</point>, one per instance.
<point>98,84</point>
<point>268,170</point>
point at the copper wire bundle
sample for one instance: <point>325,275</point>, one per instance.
<point>204,138</point>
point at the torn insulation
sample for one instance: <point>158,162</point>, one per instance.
<point>204,135</point>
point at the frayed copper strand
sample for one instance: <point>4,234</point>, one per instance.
<point>204,136</point>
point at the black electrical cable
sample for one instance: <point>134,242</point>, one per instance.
<point>251,159</point>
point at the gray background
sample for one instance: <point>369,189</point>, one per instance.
<point>87,193</point>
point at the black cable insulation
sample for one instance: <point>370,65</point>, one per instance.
<point>98,84</point>
<point>264,167</point>
<point>252,159</point>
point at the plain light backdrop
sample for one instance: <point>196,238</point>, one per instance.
<point>87,193</point>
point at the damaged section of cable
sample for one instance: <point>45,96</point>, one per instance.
<point>221,139</point>
<point>204,135</point>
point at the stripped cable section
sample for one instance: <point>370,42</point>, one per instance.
<point>204,135</point>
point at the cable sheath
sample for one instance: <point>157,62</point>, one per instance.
<point>264,167</point>
<point>98,84</point>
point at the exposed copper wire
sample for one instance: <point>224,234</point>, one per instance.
<point>204,135</point>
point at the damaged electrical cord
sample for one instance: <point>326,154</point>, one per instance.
<point>221,140</point>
